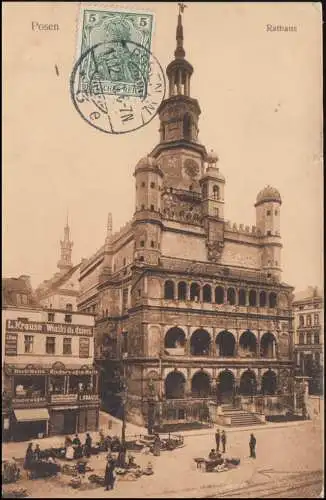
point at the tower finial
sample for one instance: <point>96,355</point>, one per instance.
<point>179,51</point>
<point>109,226</point>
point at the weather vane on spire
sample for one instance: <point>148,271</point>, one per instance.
<point>182,7</point>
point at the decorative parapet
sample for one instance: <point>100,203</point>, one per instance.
<point>242,229</point>
<point>122,231</point>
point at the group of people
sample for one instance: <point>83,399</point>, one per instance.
<point>32,455</point>
<point>75,449</point>
<point>220,438</point>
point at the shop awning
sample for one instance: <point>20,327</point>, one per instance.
<point>30,415</point>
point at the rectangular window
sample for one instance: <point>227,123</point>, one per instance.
<point>308,320</point>
<point>301,320</point>
<point>68,318</point>
<point>67,346</point>
<point>51,317</point>
<point>316,338</point>
<point>50,345</point>
<point>69,307</point>
<point>316,319</point>
<point>301,338</point>
<point>28,343</point>
<point>83,347</point>
<point>124,299</point>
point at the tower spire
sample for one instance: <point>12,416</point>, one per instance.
<point>66,249</point>
<point>109,226</point>
<point>179,51</point>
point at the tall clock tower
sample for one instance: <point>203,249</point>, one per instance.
<point>179,153</point>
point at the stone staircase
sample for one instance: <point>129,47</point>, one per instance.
<point>238,417</point>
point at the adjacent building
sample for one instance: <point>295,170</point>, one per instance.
<point>48,380</point>
<point>193,306</point>
<point>308,308</point>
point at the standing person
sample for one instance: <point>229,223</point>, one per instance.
<point>157,446</point>
<point>88,445</point>
<point>76,441</point>
<point>37,453</point>
<point>217,439</point>
<point>109,476</point>
<point>252,446</point>
<point>223,440</point>
<point>29,456</point>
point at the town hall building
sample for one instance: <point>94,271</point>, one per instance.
<point>193,306</point>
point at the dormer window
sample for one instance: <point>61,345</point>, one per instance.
<point>268,212</point>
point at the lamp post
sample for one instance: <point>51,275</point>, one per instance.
<point>124,396</point>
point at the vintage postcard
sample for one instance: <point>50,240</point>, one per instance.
<point>162,288</point>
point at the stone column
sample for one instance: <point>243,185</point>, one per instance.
<point>258,345</point>
<point>188,292</point>
<point>179,81</point>
<point>187,347</point>
<point>236,347</point>
<point>188,383</point>
<point>273,349</point>
<point>68,380</point>
<point>200,298</point>
<point>247,298</point>
<point>225,301</point>
<point>213,345</point>
<point>65,385</point>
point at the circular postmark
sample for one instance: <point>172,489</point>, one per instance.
<point>117,86</point>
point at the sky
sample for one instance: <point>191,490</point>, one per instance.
<point>260,93</point>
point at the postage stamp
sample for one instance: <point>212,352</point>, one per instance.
<point>117,63</point>
<point>117,84</point>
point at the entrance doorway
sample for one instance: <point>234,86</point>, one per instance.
<point>225,386</point>
<point>70,422</point>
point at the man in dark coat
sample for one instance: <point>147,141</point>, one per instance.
<point>223,440</point>
<point>252,446</point>
<point>76,441</point>
<point>109,476</point>
<point>217,439</point>
<point>88,445</point>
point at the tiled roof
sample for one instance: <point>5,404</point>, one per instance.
<point>14,288</point>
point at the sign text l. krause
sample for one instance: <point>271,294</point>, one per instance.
<point>59,328</point>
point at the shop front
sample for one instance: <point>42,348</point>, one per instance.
<point>29,423</point>
<point>63,420</point>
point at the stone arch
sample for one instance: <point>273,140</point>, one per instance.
<point>225,342</point>
<point>219,295</point>
<point>169,289</point>
<point>272,300</point>
<point>200,342</point>
<point>248,383</point>
<point>248,344</point>
<point>262,299</point>
<point>242,297</point>
<point>174,338</point>
<point>231,296</point>
<point>58,366</point>
<point>182,290</point>
<point>194,292</point>
<point>201,384</point>
<point>207,293</point>
<point>175,385</point>
<point>269,382</point>
<point>225,386</point>
<point>268,345</point>
<point>252,298</point>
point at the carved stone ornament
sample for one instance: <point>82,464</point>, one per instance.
<point>215,250</point>
<point>191,168</point>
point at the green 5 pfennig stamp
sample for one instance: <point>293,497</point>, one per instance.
<point>120,64</point>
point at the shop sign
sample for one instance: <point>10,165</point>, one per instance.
<point>11,344</point>
<point>56,328</point>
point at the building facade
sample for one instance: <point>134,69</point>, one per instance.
<point>308,308</point>
<point>193,306</point>
<point>49,382</point>
<point>61,290</point>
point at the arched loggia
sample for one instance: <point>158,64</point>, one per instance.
<point>200,385</point>
<point>174,338</point>
<point>268,346</point>
<point>225,343</point>
<point>175,385</point>
<point>200,343</point>
<point>248,383</point>
<point>248,344</point>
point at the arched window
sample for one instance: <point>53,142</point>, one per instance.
<point>174,338</point>
<point>308,338</point>
<point>301,320</point>
<point>216,192</point>
<point>194,292</point>
<point>175,385</point>
<point>301,338</point>
<point>272,299</point>
<point>308,319</point>
<point>200,343</point>
<point>252,298</point>
<point>182,290</point>
<point>219,295</point>
<point>207,293</point>
<point>262,299</point>
<point>200,385</point>
<point>231,296</point>
<point>242,297</point>
<point>187,127</point>
<point>169,290</point>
